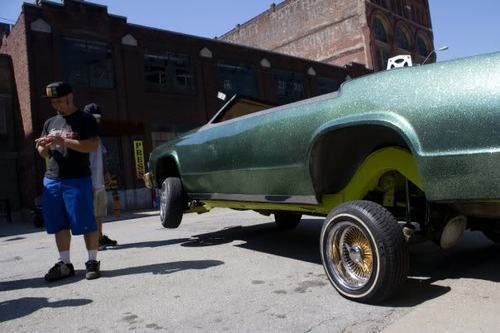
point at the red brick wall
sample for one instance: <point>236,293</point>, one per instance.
<point>337,32</point>
<point>16,46</point>
<point>322,30</point>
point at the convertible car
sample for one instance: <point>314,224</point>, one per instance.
<point>391,158</point>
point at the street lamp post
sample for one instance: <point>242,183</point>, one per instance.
<point>443,48</point>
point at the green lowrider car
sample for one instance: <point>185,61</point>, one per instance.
<point>393,157</point>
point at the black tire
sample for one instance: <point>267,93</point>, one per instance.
<point>172,202</point>
<point>287,220</point>
<point>373,262</point>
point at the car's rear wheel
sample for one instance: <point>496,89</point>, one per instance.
<point>172,202</point>
<point>363,251</point>
<point>287,220</point>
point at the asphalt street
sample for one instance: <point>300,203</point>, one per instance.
<point>231,271</point>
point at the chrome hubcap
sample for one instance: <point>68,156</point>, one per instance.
<point>350,255</point>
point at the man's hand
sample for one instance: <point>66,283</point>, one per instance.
<point>43,146</point>
<point>42,141</point>
<point>56,140</point>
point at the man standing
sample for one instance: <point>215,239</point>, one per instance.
<point>97,169</point>
<point>66,140</point>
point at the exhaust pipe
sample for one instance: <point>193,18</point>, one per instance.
<point>453,231</point>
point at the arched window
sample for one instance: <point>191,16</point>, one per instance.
<point>402,40</point>
<point>422,48</point>
<point>381,58</point>
<point>379,30</point>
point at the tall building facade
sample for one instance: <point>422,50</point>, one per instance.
<point>151,84</point>
<point>10,198</point>
<point>339,32</point>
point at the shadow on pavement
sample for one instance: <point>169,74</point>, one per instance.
<point>474,258</point>
<point>147,244</point>
<point>163,268</point>
<point>415,292</point>
<point>25,306</point>
<point>300,243</point>
<point>131,214</point>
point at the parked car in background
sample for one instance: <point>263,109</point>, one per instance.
<point>393,157</point>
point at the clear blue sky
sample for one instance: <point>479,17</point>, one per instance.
<point>466,27</point>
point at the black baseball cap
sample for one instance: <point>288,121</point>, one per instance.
<point>93,109</point>
<point>57,90</point>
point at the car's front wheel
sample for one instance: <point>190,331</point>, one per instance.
<point>363,251</point>
<point>172,202</point>
<point>287,220</point>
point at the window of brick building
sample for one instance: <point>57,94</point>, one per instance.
<point>289,86</point>
<point>382,56</point>
<point>168,72</point>
<point>88,63</point>
<point>379,30</point>
<point>327,85</point>
<point>237,79</point>
<point>422,46</point>
<point>402,40</point>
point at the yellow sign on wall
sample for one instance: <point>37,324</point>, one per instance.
<point>139,158</point>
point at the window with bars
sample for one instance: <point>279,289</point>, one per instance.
<point>168,72</point>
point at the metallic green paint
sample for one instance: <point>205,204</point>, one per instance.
<point>448,113</point>
<point>365,179</point>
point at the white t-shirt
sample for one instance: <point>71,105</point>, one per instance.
<point>96,166</point>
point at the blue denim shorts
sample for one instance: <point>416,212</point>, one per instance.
<point>68,204</point>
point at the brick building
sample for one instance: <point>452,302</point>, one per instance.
<point>151,84</point>
<point>9,112</point>
<point>341,31</point>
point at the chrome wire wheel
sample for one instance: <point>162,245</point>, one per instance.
<point>363,251</point>
<point>350,255</point>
